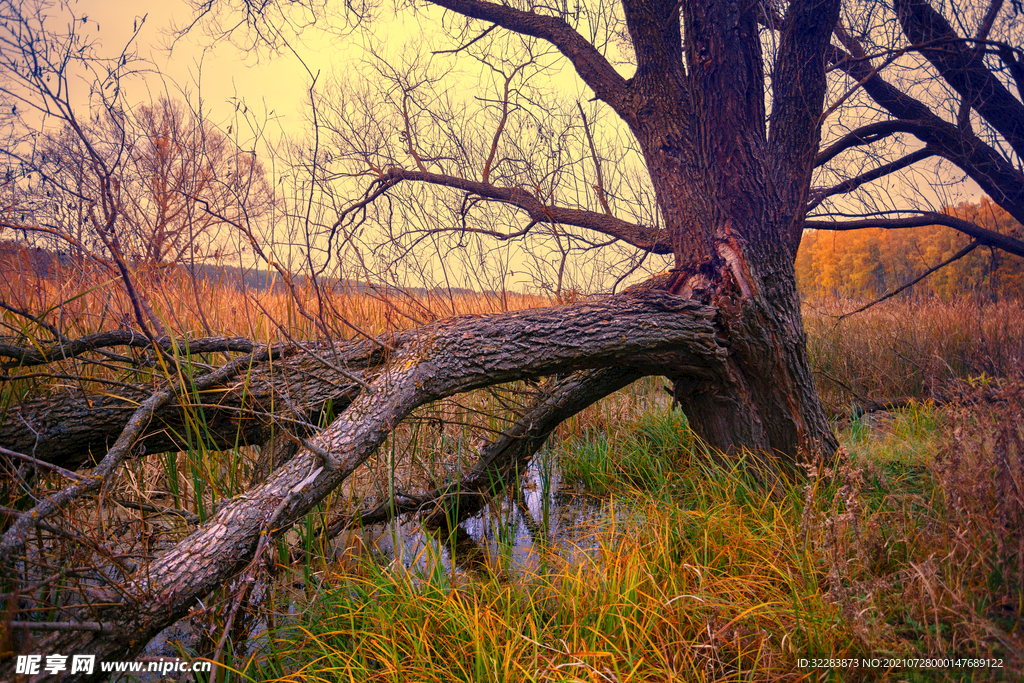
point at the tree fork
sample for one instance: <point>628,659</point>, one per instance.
<point>503,458</point>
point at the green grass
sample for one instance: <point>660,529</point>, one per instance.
<point>693,572</point>
<point>642,456</point>
<point>691,569</point>
<point>911,434</point>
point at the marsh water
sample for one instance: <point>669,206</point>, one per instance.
<point>512,533</point>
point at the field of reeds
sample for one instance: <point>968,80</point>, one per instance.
<point>640,556</point>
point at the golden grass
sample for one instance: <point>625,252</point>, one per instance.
<point>910,349</point>
<point>95,301</point>
<point>709,577</point>
<point>913,547</point>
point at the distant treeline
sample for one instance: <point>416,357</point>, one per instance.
<point>865,264</point>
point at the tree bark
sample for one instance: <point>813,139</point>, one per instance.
<point>644,331</point>
<point>75,428</point>
<point>501,460</point>
<point>733,198</point>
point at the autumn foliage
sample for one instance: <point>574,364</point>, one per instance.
<point>866,264</point>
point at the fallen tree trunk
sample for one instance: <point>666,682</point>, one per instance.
<point>645,333</point>
<point>502,459</point>
<point>75,428</point>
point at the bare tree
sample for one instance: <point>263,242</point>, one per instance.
<point>179,180</point>
<point>175,183</point>
<point>725,105</point>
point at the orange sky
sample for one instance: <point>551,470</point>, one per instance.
<point>277,83</point>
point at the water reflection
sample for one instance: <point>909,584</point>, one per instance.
<point>509,537</point>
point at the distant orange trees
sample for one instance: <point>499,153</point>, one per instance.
<point>865,264</point>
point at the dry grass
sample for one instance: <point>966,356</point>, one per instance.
<point>695,573</point>
<point>904,349</point>
<point>80,303</point>
<point>913,547</point>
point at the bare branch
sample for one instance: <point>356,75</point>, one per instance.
<point>590,64</point>
<point>907,285</point>
<point>639,236</point>
<point>819,194</point>
<point>27,356</point>
<point>865,135</point>
<point>983,236</point>
<point>996,176</point>
<point>964,69</point>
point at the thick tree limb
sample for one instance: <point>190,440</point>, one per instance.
<point>996,176</point>
<point>16,535</point>
<point>503,458</point>
<point>642,332</point>
<point>71,429</point>
<point>963,68</point>
<point>590,64</point>
<point>798,91</point>
<point>642,237</point>
<point>983,236</point>
<point>819,194</point>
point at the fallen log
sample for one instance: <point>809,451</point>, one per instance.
<point>645,333</point>
<point>75,429</point>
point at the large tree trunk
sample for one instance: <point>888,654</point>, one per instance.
<point>644,332</point>
<point>733,199</point>
<point>769,403</point>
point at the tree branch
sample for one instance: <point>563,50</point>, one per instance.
<point>865,135</point>
<point>983,236</point>
<point>65,429</point>
<point>643,332</point>
<point>503,458</point>
<point>590,64</point>
<point>16,535</point>
<point>641,237</point>
<point>907,285</point>
<point>819,194</point>
<point>996,176</point>
<point>798,92</point>
<point>29,356</point>
<point>963,68</point>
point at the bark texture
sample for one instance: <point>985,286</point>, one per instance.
<point>640,331</point>
<point>76,428</point>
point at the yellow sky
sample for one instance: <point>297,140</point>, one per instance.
<point>225,71</point>
<point>217,73</point>
<point>277,83</point>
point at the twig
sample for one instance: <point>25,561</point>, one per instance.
<point>16,536</point>
<point>955,257</point>
<point>67,474</point>
<point>145,507</point>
